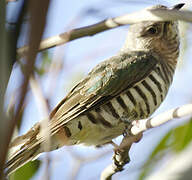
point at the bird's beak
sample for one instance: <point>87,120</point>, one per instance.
<point>178,6</point>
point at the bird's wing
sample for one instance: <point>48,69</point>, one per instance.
<point>105,81</point>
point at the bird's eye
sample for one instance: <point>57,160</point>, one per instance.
<point>152,30</point>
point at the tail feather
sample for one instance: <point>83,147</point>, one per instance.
<point>25,148</point>
<point>22,157</point>
<point>30,134</point>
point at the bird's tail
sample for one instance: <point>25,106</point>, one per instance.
<point>25,148</point>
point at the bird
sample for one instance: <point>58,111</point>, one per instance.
<point>129,86</point>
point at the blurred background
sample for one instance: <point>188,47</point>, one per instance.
<point>58,69</point>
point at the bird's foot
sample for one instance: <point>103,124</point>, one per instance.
<point>127,131</point>
<point>126,120</point>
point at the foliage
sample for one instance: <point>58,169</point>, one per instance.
<point>26,172</point>
<point>174,141</point>
<point>44,63</point>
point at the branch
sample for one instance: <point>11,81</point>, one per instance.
<point>38,14</point>
<point>7,1</point>
<point>121,156</point>
<point>43,107</point>
<point>79,161</point>
<point>144,15</point>
<point>143,125</point>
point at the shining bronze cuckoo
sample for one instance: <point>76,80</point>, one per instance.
<point>130,85</point>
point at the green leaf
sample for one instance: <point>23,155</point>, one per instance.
<point>182,136</point>
<point>27,171</point>
<point>156,155</point>
<point>175,140</point>
<point>45,62</point>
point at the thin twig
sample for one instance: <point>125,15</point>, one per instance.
<point>80,161</point>
<point>121,158</point>
<point>43,107</point>
<point>144,15</point>
<point>39,97</point>
<point>10,1</point>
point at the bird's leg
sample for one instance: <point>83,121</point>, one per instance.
<point>128,125</point>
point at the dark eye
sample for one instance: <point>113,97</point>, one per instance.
<point>152,30</point>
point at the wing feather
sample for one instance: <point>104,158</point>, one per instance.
<point>105,81</point>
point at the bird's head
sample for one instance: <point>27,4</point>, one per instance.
<point>159,37</point>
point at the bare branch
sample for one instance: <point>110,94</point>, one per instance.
<point>121,158</point>
<point>143,125</point>
<point>39,97</point>
<point>7,1</point>
<point>144,15</point>
<point>79,162</point>
<point>38,13</point>
<point>43,107</point>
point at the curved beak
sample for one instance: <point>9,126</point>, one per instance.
<point>178,6</point>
